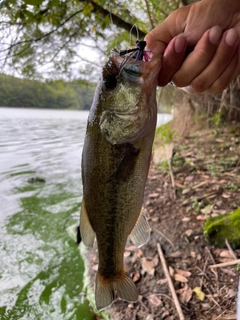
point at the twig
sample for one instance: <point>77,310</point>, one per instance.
<point>228,317</point>
<point>215,272</point>
<point>199,198</point>
<point>219,315</point>
<point>144,306</point>
<point>210,297</point>
<point>44,35</point>
<point>204,269</point>
<point>225,264</point>
<point>171,287</point>
<point>162,295</point>
<point>230,249</point>
<point>172,178</point>
<point>165,237</point>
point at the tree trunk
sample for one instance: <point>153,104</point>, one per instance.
<point>225,104</point>
<point>230,102</point>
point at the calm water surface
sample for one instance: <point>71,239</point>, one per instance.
<point>41,270</point>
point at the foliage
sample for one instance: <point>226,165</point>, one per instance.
<point>221,227</point>
<point>165,133</point>
<point>54,33</point>
<point>15,92</point>
<point>49,38</point>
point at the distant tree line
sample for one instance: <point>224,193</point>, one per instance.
<point>23,93</point>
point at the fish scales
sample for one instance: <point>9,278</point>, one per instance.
<point>115,163</point>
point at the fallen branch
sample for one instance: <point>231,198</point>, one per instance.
<point>230,249</point>
<point>170,284</point>
<point>199,198</point>
<point>165,237</point>
<point>225,264</point>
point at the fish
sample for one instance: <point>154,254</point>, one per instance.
<point>115,163</point>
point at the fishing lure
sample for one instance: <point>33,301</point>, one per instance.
<point>138,53</point>
<point>138,50</point>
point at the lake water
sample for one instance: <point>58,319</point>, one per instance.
<point>41,270</point>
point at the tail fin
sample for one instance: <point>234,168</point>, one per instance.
<point>105,290</point>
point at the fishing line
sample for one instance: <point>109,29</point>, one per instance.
<point>125,61</point>
<point>112,24</point>
<point>110,13</point>
<point>138,53</point>
<point>137,33</point>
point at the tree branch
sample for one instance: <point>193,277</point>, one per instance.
<point>119,22</point>
<point>43,36</point>
<point>149,14</point>
<point>95,64</point>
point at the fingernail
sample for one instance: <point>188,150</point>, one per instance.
<point>180,43</point>
<point>231,37</point>
<point>215,34</point>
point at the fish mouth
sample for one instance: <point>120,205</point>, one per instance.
<point>135,71</point>
<point>127,66</point>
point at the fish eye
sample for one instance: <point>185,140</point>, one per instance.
<point>110,81</point>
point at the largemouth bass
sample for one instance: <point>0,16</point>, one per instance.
<point>115,163</point>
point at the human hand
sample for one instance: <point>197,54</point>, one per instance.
<point>210,31</point>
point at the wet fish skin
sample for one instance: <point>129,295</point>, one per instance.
<point>115,163</point>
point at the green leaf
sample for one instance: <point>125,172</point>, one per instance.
<point>87,9</point>
<point>33,2</point>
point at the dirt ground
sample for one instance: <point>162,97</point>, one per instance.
<point>204,180</point>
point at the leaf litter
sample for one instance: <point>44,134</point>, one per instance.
<point>176,219</point>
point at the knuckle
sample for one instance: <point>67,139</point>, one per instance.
<point>199,85</point>
<point>180,81</point>
<point>202,56</point>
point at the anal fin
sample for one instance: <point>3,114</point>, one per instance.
<point>79,238</point>
<point>74,233</point>
<point>141,231</point>
<point>86,230</point>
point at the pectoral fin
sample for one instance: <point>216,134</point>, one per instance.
<point>141,232</point>
<point>127,164</point>
<point>86,230</point>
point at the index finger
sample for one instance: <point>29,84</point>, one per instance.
<point>156,47</point>
<point>172,59</point>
